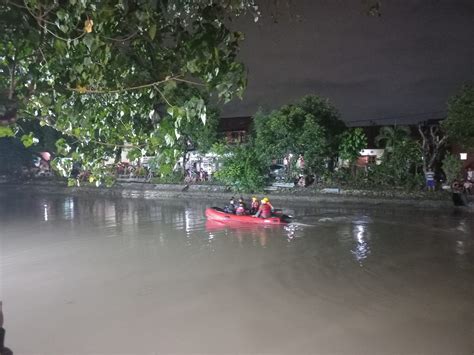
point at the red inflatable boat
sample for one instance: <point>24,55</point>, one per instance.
<point>218,214</point>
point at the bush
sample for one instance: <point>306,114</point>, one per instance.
<point>401,167</point>
<point>173,178</point>
<point>243,170</point>
<point>451,167</point>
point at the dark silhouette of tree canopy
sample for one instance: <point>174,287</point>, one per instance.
<point>388,136</point>
<point>459,124</point>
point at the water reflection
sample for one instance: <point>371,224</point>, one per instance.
<point>68,208</point>
<point>165,267</point>
<point>45,212</point>
<point>361,250</point>
<point>174,222</point>
<point>291,231</point>
<point>258,234</point>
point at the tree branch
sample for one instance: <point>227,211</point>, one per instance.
<point>40,18</point>
<point>83,90</point>
<point>162,95</point>
<point>123,39</point>
<point>12,75</point>
<point>115,145</point>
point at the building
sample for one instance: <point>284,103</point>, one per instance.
<point>235,130</point>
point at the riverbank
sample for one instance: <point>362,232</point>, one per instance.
<point>421,199</point>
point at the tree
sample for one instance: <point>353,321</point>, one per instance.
<point>243,170</point>
<point>402,167</point>
<point>452,167</point>
<point>433,144</point>
<point>99,71</point>
<point>459,124</point>
<point>389,137</point>
<point>311,126</point>
<point>193,134</point>
<point>352,142</point>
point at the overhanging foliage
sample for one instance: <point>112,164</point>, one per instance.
<point>113,75</point>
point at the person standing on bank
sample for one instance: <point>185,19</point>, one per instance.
<point>430,181</point>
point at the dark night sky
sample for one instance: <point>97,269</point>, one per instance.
<point>402,65</point>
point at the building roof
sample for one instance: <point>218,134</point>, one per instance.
<point>233,124</point>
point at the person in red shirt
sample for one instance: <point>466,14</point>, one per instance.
<point>265,210</point>
<point>254,205</point>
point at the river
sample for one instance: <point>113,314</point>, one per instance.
<point>89,275</point>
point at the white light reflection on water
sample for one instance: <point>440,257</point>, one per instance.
<point>45,212</point>
<point>210,242</point>
<point>187,222</point>
<point>361,250</point>
<point>291,230</point>
<point>68,208</point>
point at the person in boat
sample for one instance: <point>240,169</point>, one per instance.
<point>254,206</point>
<point>458,195</point>
<point>240,211</point>
<point>241,201</point>
<point>265,210</point>
<point>230,208</point>
<point>3,350</point>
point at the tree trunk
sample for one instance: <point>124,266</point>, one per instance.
<point>185,153</point>
<point>118,156</point>
<point>432,146</point>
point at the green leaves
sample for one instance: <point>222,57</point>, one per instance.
<point>62,165</point>
<point>452,167</point>
<point>311,126</point>
<point>402,167</point>
<point>243,170</point>
<point>28,140</point>
<point>88,40</point>
<point>6,131</point>
<point>134,153</point>
<point>94,70</point>
<point>152,31</point>
<point>459,124</point>
<point>63,147</point>
<point>352,142</point>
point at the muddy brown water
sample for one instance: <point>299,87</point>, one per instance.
<point>97,276</point>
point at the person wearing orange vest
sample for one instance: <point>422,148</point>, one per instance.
<point>254,205</point>
<point>265,210</point>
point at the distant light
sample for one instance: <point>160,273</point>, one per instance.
<point>463,156</point>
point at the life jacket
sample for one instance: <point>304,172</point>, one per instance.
<point>265,210</point>
<point>255,205</point>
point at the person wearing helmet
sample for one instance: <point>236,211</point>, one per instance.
<point>267,201</point>
<point>265,210</point>
<point>254,205</point>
